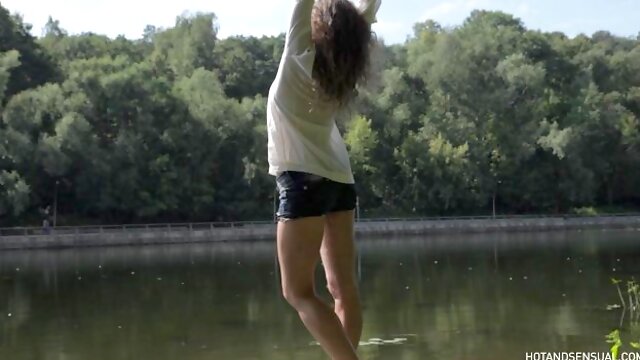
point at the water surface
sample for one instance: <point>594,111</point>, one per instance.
<point>451,297</point>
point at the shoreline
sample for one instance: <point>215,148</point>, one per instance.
<point>106,236</point>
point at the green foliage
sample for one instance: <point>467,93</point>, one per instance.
<point>613,338</point>
<point>14,194</point>
<point>172,126</point>
<point>8,61</point>
<point>585,211</point>
<point>247,66</point>
<point>187,46</point>
<point>35,67</point>
<point>362,140</point>
<point>632,307</point>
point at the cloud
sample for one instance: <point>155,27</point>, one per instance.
<point>453,12</point>
<point>442,9</point>
<point>391,31</point>
<point>523,9</point>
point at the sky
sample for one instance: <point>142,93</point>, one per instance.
<point>269,17</point>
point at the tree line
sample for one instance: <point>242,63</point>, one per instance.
<point>172,126</point>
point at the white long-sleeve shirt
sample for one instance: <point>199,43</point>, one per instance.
<point>302,131</point>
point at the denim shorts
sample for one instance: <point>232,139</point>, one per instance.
<point>305,195</point>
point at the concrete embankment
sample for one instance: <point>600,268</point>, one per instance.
<point>82,237</point>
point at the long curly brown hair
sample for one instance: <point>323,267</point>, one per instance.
<point>343,39</point>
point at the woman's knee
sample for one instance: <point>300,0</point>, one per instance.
<point>343,290</point>
<point>297,296</point>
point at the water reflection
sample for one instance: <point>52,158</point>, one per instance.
<point>450,297</point>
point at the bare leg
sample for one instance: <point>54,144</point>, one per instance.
<point>339,256</point>
<point>299,244</point>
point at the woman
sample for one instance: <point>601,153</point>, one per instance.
<point>326,54</point>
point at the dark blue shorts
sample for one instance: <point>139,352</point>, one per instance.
<point>306,195</point>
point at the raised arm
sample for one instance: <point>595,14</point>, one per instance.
<point>299,33</point>
<point>369,8</point>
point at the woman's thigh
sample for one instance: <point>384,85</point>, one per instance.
<point>298,242</point>
<point>312,208</point>
<point>339,253</point>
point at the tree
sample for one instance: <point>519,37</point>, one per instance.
<point>14,194</point>
<point>247,66</point>
<point>172,127</point>
<point>188,46</point>
<point>53,29</point>
<point>362,142</point>
<point>8,61</point>
<point>36,67</point>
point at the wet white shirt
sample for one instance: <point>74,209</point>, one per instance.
<point>303,135</point>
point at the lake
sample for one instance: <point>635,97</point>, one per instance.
<point>489,296</point>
